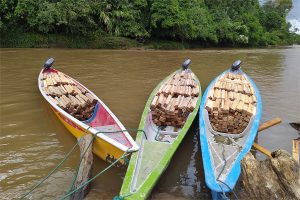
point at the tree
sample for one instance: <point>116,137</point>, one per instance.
<point>182,19</point>
<point>123,17</point>
<point>65,16</point>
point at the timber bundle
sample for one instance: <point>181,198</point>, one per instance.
<point>231,103</point>
<point>68,95</point>
<point>175,100</point>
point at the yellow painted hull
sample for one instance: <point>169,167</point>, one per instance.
<point>101,148</point>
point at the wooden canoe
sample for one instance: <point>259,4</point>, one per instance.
<point>225,143</point>
<point>157,147</point>
<point>56,86</point>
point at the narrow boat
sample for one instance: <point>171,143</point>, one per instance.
<point>168,114</point>
<point>229,118</point>
<point>81,112</point>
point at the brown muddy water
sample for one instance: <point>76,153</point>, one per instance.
<point>33,141</point>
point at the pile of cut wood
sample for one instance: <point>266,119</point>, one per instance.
<point>231,103</point>
<point>69,95</point>
<point>175,100</point>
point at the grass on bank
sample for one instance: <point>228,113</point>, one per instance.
<point>17,39</point>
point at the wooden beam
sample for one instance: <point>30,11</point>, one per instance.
<point>268,124</point>
<point>264,126</point>
<point>262,149</point>
<point>296,150</point>
<point>85,170</point>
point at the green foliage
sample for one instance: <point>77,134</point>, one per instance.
<point>18,39</point>
<point>122,17</point>
<point>67,16</point>
<point>180,22</point>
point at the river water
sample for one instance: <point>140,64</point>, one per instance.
<point>33,141</point>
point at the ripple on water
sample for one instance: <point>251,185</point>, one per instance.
<point>33,141</point>
<point>29,158</point>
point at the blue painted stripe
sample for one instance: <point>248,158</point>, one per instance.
<point>234,174</point>
<point>94,114</point>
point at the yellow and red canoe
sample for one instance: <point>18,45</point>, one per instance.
<point>59,90</point>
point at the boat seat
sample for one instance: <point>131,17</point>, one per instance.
<point>113,132</point>
<point>107,128</point>
<point>166,135</point>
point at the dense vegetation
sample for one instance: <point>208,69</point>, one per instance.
<point>106,23</point>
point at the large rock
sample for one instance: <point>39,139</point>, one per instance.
<point>275,178</point>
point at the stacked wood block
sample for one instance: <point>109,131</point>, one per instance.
<point>175,100</point>
<point>231,104</point>
<point>69,95</point>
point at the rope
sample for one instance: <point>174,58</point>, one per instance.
<point>94,136</point>
<point>52,171</point>
<point>93,178</point>
<point>68,155</point>
<point>235,195</point>
<point>122,197</point>
<point>225,162</point>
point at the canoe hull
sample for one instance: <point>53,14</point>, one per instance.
<point>111,140</point>
<point>101,148</point>
<point>233,175</point>
<point>145,189</point>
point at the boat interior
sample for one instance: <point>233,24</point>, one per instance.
<point>73,98</point>
<point>165,134</point>
<point>231,104</point>
<point>171,106</point>
<point>228,126</point>
<point>103,122</point>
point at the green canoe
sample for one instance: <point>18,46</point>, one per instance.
<point>148,164</point>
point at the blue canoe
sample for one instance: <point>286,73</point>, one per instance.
<point>223,151</point>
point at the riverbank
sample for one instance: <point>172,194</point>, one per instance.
<point>15,39</point>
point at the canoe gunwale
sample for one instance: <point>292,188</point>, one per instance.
<point>89,128</point>
<point>234,173</point>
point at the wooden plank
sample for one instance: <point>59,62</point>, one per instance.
<point>83,91</point>
<point>223,94</point>
<point>217,93</point>
<point>60,102</point>
<point>167,102</point>
<point>217,84</point>
<point>240,106</point>
<point>74,101</point>
<point>177,102</point>
<point>82,102</point>
<point>83,97</point>
<point>234,105</point>
<point>91,97</point>
<point>153,103</point>
<point>66,99</point>
<point>209,105</point>
<point>216,104</point>
<point>85,169</point>
<point>262,149</point>
<point>211,94</point>
<point>270,123</point>
<point>226,106</point>
<point>295,152</point>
